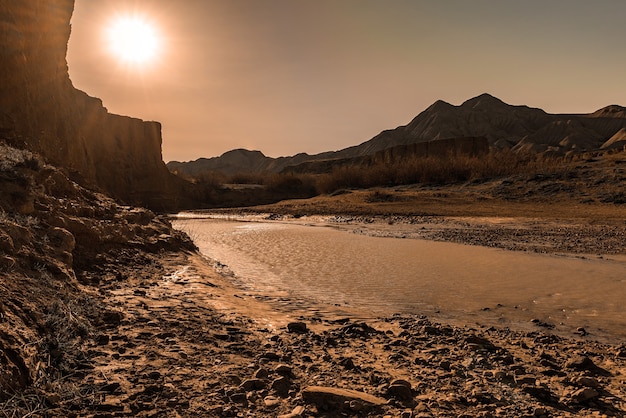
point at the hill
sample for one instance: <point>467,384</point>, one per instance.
<point>520,128</point>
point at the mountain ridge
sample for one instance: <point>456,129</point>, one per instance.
<point>518,127</point>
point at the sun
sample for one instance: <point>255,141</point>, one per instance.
<point>133,40</point>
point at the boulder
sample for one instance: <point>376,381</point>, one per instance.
<point>329,398</point>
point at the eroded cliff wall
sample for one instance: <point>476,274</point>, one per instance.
<point>40,106</point>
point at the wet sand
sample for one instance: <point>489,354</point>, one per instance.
<point>378,274</point>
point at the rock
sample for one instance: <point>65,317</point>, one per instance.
<point>284,370</point>
<point>261,373</point>
<point>400,392</point>
<point>329,398</point>
<point>270,355</point>
<point>271,401</point>
<point>586,381</point>
<point>61,239</point>
<point>581,363</point>
<point>252,384</point>
<point>584,395</point>
<point>430,330</point>
<point>480,342</point>
<point>542,393</point>
<point>347,363</point>
<point>297,327</point>
<point>239,398</point>
<point>66,126</point>
<point>400,382</point>
<point>281,386</point>
<point>296,412</point>
<point>360,329</point>
<point>139,216</point>
<point>445,365</point>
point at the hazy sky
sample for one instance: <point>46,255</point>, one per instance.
<point>289,76</point>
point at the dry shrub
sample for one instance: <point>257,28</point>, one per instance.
<point>247,178</point>
<point>290,183</point>
<point>438,170</point>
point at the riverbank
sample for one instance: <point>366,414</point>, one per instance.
<point>189,342</point>
<point>579,209</point>
<point>106,311</point>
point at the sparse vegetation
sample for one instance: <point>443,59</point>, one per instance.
<point>450,169</point>
<point>436,170</point>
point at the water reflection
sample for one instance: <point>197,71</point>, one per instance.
<point>383,276</point>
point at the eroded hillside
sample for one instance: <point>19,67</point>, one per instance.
<point>56,239</point>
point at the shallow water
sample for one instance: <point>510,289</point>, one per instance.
<point>382,276</point>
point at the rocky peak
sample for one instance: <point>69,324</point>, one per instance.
<point>484,102</point>
<point>440,106</point>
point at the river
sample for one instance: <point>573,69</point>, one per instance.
<point>328,266</point>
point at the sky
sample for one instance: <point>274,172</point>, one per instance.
<point>291,76</point>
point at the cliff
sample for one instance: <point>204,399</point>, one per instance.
<point>41,110</point>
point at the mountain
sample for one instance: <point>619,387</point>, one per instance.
<point>42,111</point>
<point>520,128</point>
<point>237,161</point>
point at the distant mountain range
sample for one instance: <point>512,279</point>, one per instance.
<point>520,128</point>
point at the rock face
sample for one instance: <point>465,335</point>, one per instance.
<point>41,109</point>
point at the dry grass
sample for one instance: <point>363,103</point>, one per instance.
<point>435,170</point>
<point>66,325</point>
<point>589,188</point>
<point>443,170</point>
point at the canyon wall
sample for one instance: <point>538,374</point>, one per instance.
<point>41,110</point>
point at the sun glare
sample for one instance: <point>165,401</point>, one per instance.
<point>133,40</point>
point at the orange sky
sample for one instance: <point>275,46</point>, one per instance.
<point>289,76</point>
